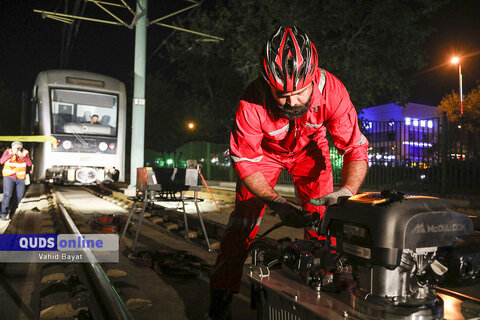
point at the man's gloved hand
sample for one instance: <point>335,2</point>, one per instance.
<point>331,198</point>
<point>289,213</point>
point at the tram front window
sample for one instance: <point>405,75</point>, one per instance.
<point>83,112</point>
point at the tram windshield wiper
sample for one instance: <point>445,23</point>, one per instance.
<point>79,138</point>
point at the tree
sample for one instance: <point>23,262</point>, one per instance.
<point>471,105</point>
<point>162,114</point>
<point>469,131</point>
<point>369,45</point>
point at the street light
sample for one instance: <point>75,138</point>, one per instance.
<point>191,125</point>
<point>456,60</point>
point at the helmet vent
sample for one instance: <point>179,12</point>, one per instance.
<point>290,65</point>
<point>301,73</point>
<point>278,73</point>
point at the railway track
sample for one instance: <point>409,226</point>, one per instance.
<point>169,220</point>
<point>215,230</point>
<point>56,290</point>
<point>166,277</point>
<point>165,216</point>
<point>153,280</point>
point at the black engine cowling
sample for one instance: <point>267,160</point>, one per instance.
<point>374,228</point>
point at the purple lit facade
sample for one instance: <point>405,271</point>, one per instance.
<point>401,135</point>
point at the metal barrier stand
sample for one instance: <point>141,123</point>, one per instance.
<point>142,214</point>
<point>164,196</point>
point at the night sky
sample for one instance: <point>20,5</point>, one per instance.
<point>30,44</point>
<point>457,33</point>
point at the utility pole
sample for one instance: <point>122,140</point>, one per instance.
<point>138,106</point>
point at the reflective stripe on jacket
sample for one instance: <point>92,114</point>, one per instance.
<point>258,130</point>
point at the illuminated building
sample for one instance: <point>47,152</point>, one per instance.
<point>401,135</point>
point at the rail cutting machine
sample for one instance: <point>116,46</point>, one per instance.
<point>384,257</point>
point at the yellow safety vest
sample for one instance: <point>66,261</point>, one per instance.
<point>15,165</point>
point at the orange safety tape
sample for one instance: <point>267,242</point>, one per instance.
<point>206,185</point>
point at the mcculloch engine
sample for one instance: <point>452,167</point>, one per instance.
<point>383,256</point>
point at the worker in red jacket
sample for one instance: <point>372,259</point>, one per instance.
<point>281,123</point>
<point>15,161</point>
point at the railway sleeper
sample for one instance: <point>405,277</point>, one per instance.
<point>63,299</point>
<point>112,271</point>
<point>133,297</point>
<point>191,234</point>
<point>157,220</point>
<point>55,272</point>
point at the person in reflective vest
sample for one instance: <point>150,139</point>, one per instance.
<point>281,123</point>
<point>15,161</point>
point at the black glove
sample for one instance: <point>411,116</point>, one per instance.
<point>290,214</point>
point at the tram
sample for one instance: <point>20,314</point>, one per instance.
<point>86,113</point>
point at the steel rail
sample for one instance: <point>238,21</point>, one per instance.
<point>115,303</point>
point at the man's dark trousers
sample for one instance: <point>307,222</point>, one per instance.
<point>8,185</point>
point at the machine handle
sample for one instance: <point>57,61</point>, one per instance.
<point>313,218</point>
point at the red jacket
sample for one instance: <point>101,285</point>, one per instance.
<point>258,130</point>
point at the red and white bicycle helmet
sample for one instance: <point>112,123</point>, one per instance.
<point>289,60</point>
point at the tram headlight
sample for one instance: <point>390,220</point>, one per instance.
<point>67,144</point>
<point>86,175</point>
<point>102,146</point>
